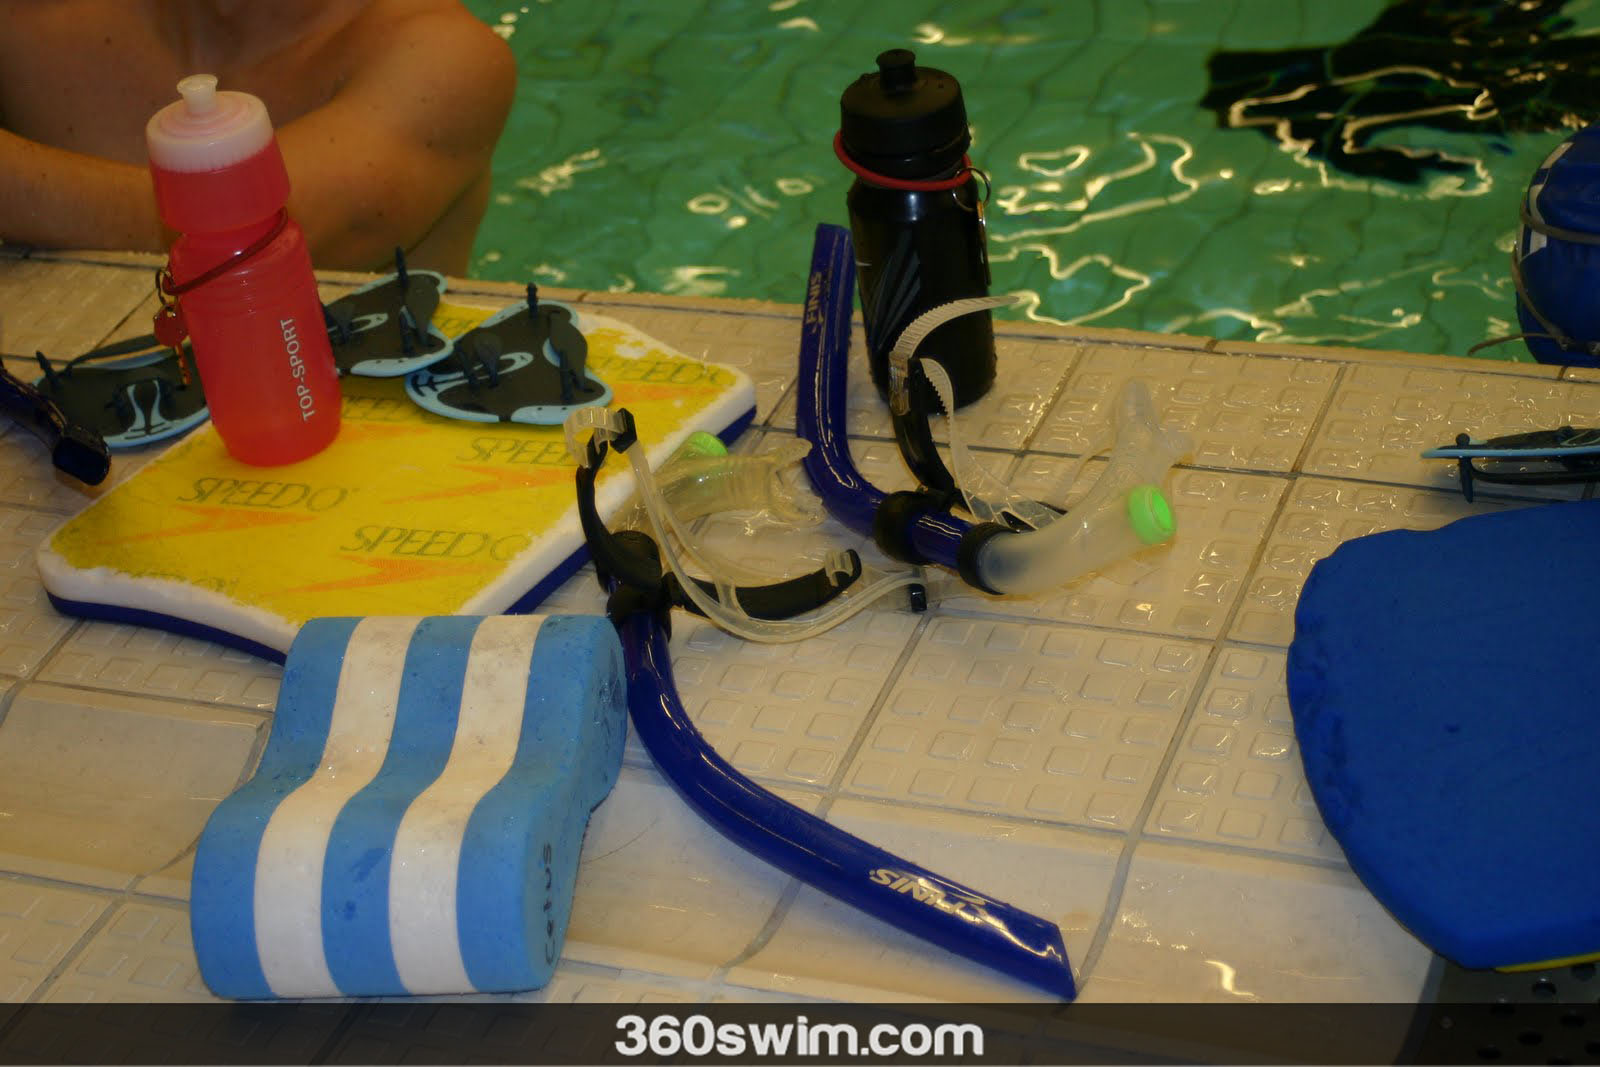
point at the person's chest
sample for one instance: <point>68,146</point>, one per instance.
<point>90,85</point>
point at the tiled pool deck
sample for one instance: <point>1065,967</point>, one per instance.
<point>1116,755</point>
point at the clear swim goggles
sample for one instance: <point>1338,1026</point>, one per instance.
<point>695,482</point>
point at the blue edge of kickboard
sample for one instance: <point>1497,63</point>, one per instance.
<point>186,628</point>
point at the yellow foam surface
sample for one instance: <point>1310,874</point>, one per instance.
<point>405,513</point>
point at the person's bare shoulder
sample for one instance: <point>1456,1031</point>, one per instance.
<point>401,152</point>
<point>449,64</point>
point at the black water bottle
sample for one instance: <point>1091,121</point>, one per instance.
<point>916,217</point>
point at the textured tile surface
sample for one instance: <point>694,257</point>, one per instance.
<point>29,626</point>
<point>1057,723</point>
<point>786,713</point>
<point>39,926</point>
<point>1185,588</point>
<point>1235,777</point>
<point>138,659</point>
<point>1244,413</point>
<point>99,789</point>
<point>1383,417</point>
<point>1115,754</point>
<point>142,954</point>
<point>659,891</point>
<point>1320,515</point>
<point>1192,927</point>
<point>65,309</point>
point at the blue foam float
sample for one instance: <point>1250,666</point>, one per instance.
<point>1443,695</point>
<point>415,822</point>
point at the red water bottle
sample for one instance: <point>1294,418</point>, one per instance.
<point>238,281</point>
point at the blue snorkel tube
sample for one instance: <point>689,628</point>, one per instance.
<point>931,536</point>
<point>1036,546</point>
<point>883,885</point>
<point>640,596</point>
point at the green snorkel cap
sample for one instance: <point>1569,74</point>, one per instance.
<point>1150,514</point>
<point>701,444</point>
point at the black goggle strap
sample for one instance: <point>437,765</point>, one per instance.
<point>633,559</point>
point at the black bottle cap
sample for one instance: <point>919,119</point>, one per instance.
<point>905,121</point>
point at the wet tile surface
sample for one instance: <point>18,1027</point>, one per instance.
<point>658,893</point>
<point>1320,515</point>
<point>1062,724</point>
<point>1115,755</point>
<point>39,926</point>
<point>136,659</point>
<point>99,789</point>
<point>1189,922</point>
<point>29,627</point>
<point>64,309</point>
<point>1187,588</point>
<point>143,954</point>
<point>1382,418</point>
<point>1245,414</point>
<point>1235,776</point>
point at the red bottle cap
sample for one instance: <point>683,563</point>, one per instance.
<point>215,162</point>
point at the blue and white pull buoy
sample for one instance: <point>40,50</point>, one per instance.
<point>1556,262</point>
<point>415,823</point>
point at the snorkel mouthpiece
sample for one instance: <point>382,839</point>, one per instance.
<point>1126,511</point>
<point>1123,514</point>
<point>1150,515</point>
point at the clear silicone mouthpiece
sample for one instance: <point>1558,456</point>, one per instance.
<point>1124,513</point>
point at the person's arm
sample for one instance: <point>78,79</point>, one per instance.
<point>403,144</point>
<point>59,199</point>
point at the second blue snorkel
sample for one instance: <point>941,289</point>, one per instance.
<point>910,530</point>
<point>1022,546</point>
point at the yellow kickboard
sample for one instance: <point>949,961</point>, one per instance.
<point>406,513</point>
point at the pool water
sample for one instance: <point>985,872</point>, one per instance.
<point>686,148</point>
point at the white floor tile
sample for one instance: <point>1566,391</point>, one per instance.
<point>1185,588</point>
<point>1319,516</point>
<point>39,925</point>
<point>1115,754</point>
<point>1057,723</point>
<point>1244,413</point>
<point>100,789</point>
<point>1236,777</point>
<point>1383,417</point>
<point>1200,925</point>
<point>155,663</point>
<point>143,953</point>
<point>29,626</point>
<point>787,712</point>
<point>660,890</point>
